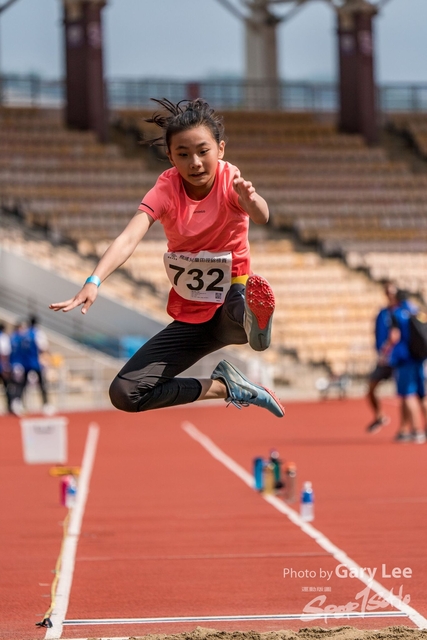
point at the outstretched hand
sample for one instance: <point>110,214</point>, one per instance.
<point>254,205</point>
<point>86,297</point>
<point>245,190</point>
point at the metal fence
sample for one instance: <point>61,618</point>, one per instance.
<point>225,94</point>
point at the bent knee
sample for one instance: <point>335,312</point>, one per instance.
<point>123,395</point>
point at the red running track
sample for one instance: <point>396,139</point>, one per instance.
<point>170,531</point>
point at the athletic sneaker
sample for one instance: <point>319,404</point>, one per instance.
<point>377,424</point>
<point>242,392</point>
<point>259,307</point>
<point>16,407</point>
<point>48,410</point>
<point>419,437</point>
<point>403,437</point>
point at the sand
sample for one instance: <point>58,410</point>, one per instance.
<point>312,633</point>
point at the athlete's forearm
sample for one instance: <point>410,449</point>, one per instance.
<point>116,255</point>
<point>257,209</point>
<point>123,246</point>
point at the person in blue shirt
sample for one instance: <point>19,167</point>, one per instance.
<point>383,370</point>
<point>409,375</point>
<point>17,369</point>
<point>33,345</point>
<point>27,345</point>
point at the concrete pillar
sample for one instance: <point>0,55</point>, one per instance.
<point>358,109</point>
<point>261,57</point>
<point>85,89</point>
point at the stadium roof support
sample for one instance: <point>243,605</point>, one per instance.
<point>357,112</point>
<point>358,109</point>
<point>261,23</point>
<point>3,8</point>
<point>6,5</point>
<point>261,52</point>
<point>85,91</point>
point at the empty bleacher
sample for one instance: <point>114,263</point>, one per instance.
<point>324,312</point>
<point>64,180</point>
<point>414,127</point>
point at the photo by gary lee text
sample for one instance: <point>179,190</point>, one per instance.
<point>342,571</point>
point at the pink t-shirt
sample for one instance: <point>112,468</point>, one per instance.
<point>216,224</point>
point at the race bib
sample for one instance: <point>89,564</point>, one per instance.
<point>203,276</point>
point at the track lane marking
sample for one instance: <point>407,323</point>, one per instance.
<point>72,537</point>
<point>203,556</point>
<point>417,618</point>
<point>305,617</point>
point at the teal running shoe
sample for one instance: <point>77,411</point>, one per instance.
<point>242,392</point>
<point>258,316</point>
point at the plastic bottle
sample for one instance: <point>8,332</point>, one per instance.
<point>269,482</point>
<point>307,502</point>
<point>71,492</point>
<point>277,469</point>
<point>258,474</point>
<point>290,482</point>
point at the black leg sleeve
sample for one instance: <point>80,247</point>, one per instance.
<point>148,380</point>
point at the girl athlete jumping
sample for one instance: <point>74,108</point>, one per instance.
<point>204,205</point>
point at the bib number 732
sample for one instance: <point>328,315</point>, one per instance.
<point>205,277</point>
<point>198,282</point>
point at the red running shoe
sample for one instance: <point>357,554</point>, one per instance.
<point>259,307</point>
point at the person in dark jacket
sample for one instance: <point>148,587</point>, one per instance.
<point>383,371</point>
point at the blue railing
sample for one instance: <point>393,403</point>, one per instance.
<point>226,94</point>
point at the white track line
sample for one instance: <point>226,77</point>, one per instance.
<point>419,620</point>
<point>305,617</point>
<point>72,538</point>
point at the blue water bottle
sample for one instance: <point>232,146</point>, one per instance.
<point>258,474</point>
<point>307,502</point>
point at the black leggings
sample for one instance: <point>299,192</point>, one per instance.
<point>17,384</point>
<point>42,385</point>
<point>5,381</point>
<point>148,380</point>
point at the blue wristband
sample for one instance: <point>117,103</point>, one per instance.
<point>93,280</point>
